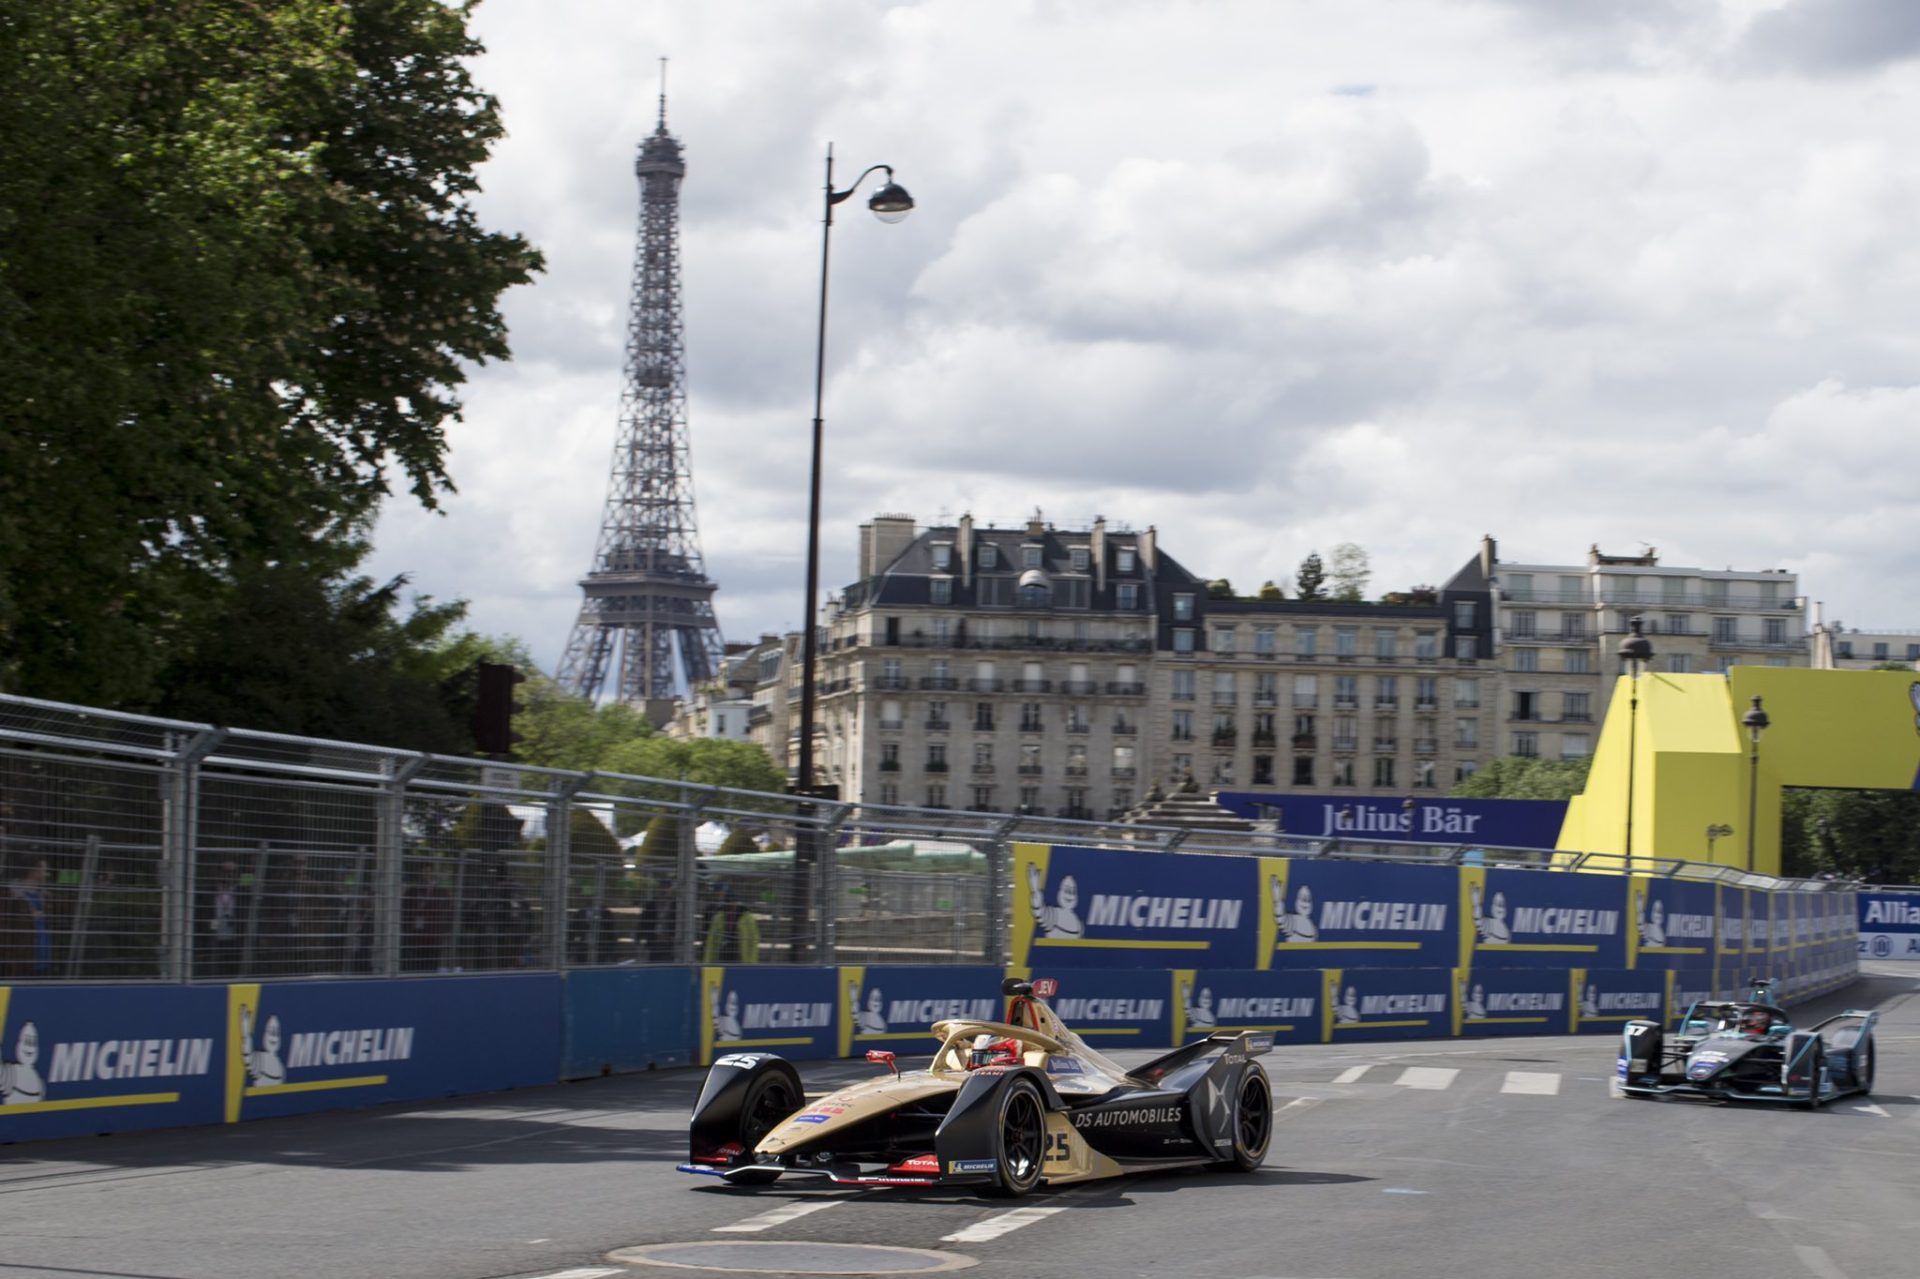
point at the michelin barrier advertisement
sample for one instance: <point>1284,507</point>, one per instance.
<point>1095,908</point>
<point>891,1008</point>
<point>791,1011</point>
<point>1889,926</point>
<point>1284,1004</point>
<point>1319,913</point>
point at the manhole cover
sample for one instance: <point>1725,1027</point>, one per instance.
<point>774,1257</point>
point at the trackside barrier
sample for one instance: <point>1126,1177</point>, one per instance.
<point>627,1019</point>
<point>1890,923</point>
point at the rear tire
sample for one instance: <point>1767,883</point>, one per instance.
<point>1816,1071</point>
<point>770,1099</point>
<point>1252,1121</point>
<point>1863,1064</point>
<point>1019,1138</point>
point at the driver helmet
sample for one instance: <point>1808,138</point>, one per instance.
<point>988,1051</point>
<point>1758,1021</point>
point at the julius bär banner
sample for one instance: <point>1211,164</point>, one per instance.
<point>1500,823</point>
<point>1096,908</point>
<point>1284,1004</point>
<point>794,1012</point>
<point>891,1008</point>
<point>1319,914</point>
<point>1889,926</point>
<point>1542,919</point>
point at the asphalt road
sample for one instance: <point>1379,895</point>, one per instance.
<point>1502,1158</point>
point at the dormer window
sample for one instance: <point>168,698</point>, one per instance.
<point>1123,560</point>
<point>1030,556</point>
<point>943,555</point>
<point>989,555</point>
<point>1080,558</point>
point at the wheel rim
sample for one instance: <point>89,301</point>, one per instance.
<point>772,1105</point>
<point>1022,1137</point>
<point>1253,1121</point>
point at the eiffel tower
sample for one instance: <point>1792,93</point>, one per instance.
<point>646,631</point>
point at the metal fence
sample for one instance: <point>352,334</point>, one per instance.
<point>139,849</point>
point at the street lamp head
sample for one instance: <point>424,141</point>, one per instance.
<point>1636,647</point>
<point>891,202</point>
<point>1756,720</point>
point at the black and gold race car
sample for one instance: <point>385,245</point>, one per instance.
<point>1003,1106</point>
<point>1748,1050</point>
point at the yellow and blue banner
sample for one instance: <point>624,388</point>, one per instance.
<point>1098,908</point>
<point>792,1011</point>
<point>1284,1004</point>
<point>1386,1003</point>
<point>1510,1001</point>
<point>1542,919</point>
<point>891,1007</point>
<point>1317,913</point>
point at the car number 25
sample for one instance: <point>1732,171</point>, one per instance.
<point>1058,1151</point>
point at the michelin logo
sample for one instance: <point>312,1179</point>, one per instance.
<point>1071,1010</point>
<point>1199,1012</point>
<point>732,1021</point>
<point>86,1061</point>
<point>1296,925</point>
<point>1058,920</point>
<point>1492,922</point>
<point>20,1082</point>
<point>267,1068</point>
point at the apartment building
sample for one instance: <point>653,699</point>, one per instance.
<point>1837,647</point>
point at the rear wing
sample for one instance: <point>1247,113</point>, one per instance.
<point>1248,1042</point>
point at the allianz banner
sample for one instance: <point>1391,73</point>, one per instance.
<point>1672,925</point>
<point>1284,1004</point>
<point>75,1061</point>
<point>295,1047</point>
<point>1502,823</point>
<point>1541,919</point>
<point>1095,908</point>
<point>1316,914</point>
<point>793,1011</point>
<point>1889,926</point>
<point>1510,1001</point>
<point>892,1008</point>
<point>1386,1003</point>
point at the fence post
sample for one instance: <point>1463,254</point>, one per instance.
<point>389,865</point>
<point>180,823</point>
<point>686,892</point>
<point>826,881</point>
<point>560,863</point>
<point>82,908</point>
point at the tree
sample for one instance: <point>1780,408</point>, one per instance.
<point>1220,589</point>
<point>1309,580</point>
<point>242,279</point>
<point>1270,591</point>
<point>1872,836</point>
<point>1527,777</point>
<point>1350,572</point>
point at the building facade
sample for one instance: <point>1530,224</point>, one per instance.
<point>1837,647</point>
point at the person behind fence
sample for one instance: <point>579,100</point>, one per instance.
<point>426,920</point>
<point>26,935</point>
<point>733,933</point>
<point>220,924</point>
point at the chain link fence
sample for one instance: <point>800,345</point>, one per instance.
<point>139,849</point>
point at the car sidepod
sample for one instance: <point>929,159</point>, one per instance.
<point>746,1095</point>
<point>1850,1050</point>
<point>1803,1068</point>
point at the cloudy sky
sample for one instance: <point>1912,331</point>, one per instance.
<point>1269,276</point>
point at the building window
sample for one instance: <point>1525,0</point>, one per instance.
<point>1030,759</point>
<point>1122,799</point>
<point>1077,802</point>
<point>1575,746</point>
<point>1521,624</point>
<point>1386,692</point>
<point>936,794</point>
<point>989,555</point>
<point>1526,659</point>
<point>1423,775</point>
<point>1183,639</point>
<point>1303,770</point>
<point>1383,770</point>
<point>1076,718</point>
<point>1346,641</point>
<point>1123,559</point>
<point>983,754</point>
<point>1426,693</point>
<point>1266,688</point>
<point>889,792</point>
<point>1078,556</point>
<point>1306,691</point>
<point>1465,648</point>
<point>1346,692</point>
<point>983,716</point>
<point>1577,661</point>
<point>1263,770</point>
<point>983,799</point>
<point>1464,615</point>
<point>1182,607</point>
<point>1223,770</point>
<point>943,631</point>
<point>1127,595</point>
<point>1263,640</point>
<point>1519,586</point>
<point>1573,626</point>
<point>1726,630</point>
<point>1526,745</point>
<point>1225,693</point>
<point>1425,645</point>
<point>943,556</point>
<point>1677,623</point>
<point>1182,767</point>
<point>1778,661</point>
<point>1679,663</point>
<point>1346,733</point>
<point>1306,641</point>
<point>1183,686</point>
<point>937,756</point>
<point>1576,706</point>
<point>1183,726</point>
<point>1029,717</point>
<point>1342,772</point>
<point>1526,706</point>
<point>1774,631</point>
<point>1029,799</point>
<point>940,590</point>
<point>1466,692</point>
<point>1464,770</point>
<point>1031,556</point>
<point>1223,639</point>
<point>1386,643</point>
<point>1466,734</point>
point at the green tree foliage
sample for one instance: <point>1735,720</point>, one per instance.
<point>241,279</point>
<point>1220,589</point>
<point>1270,591</point>
<point>1866,835</point>
<point>1310,581</point>
<point>1526,777</point>
<point>738,840</point>
<point>1350,571</point>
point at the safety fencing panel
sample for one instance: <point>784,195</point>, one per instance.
<point>624,1019</point>
<point>1889,925</point>
<point>890,1009</point>
<point>1284,1003</point>
<point>1319,913</point>
<point>1095,908</point>
<point>792,1011</point>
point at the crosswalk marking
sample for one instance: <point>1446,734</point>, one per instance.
<point>1004,1223</point>
<point>1536,1083</point>
<point>777,1217</point>
<point>1430,1077</point>
<point>1351,1075</point>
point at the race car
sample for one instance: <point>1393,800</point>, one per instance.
<point>1003,1106</point>
<point>1748,1050</point>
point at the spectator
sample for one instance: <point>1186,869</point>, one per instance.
<point>220,925</point>
<point>426,914</point>
<point>26,939</point>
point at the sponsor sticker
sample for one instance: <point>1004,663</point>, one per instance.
<point>973,1165</point>
<point>1065,1066</point>
<point>740,1061</point>
<point>811,1118</point>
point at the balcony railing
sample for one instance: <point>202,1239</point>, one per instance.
<point>980,684</point>
<point>1386,703</point>
<point>1123,774</point>
<point>939,682</point>
<point>892,725</point>
<point>1266,699</point>
<point>1033,686</point>
<point>936,766</point>
<point>1032,726</point>
<point>1264,739</point>
<point>982,770</point>
<point>889,765</point>
<point>1123,689</point>
<point>1031,770</point>
<point>1305,701</point>
<point>1386,743</point>
<point>1079,728</point>
<point>1305,741</point>
<point>1346,703</point>
<point>1126,730</point>
<point>891,682</point>
<point>1346,743</point>
<point>1079,687</point>
<point>939,725</point>
<point>1425,745</point>
<point>1225,737</point>
<point>1181,735</point>
<point>1076,770</point>
<point>1464,744</point>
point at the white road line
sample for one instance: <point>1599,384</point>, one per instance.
<point>1817,1260</point>
<point>1431,1077</point>
<point>1872,1109</point>
<point>777,1217</point>
<point>1351,1075</point>
<point>1004,1223</point>
<point>1297,1104</point>
<point>1534,1083</point>
<point>588,1272</point>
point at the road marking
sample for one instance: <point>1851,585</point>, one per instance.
<point>588,1272</point>
<point>1351,1075</point>
<point>1429,1077</point>
<point>777,1217</point>
<point>1298,1103</point>
<point>1534,1083</point>
<point>1817,1260</point>
<point>1872,1109</point>
<point>1004,1223</point>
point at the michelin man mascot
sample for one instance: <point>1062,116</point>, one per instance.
<point>265,1065</point>
<point>1493,924</point>
<point>1298,926</point>
<point>872,1019</point>
<point>1347,1011</point>
<point>1059,920</point>
<point>20,1082</point>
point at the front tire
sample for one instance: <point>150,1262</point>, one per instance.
<point>1863,1063</point>
<point>1252,1121</point>
<point>1019,1138</point>
<point>770,1099</point>
<point>1816,1072</point>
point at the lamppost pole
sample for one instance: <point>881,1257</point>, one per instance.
<point>1756,723</point>
<point>1635,650</point>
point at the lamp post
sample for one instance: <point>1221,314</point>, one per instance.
<point>1756,722</point>
<point>1719,830</point>
<point>1635,650</point>
<point>890,203</point>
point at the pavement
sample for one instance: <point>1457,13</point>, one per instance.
<point>1503,1158</point>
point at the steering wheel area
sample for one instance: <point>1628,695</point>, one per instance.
<point>957,1036</point>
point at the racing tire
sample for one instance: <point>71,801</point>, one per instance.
<point>1863,1064</point>
<point>1817,1069</point>
<point>1019,1139</point>
<point>1252,1122</point>
<point>770,1098</point>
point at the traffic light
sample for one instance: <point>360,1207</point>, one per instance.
<point>493,713</point>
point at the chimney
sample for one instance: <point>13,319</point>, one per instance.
<point>882,541</point>
<point>1146,540</point>
<point>1097,552</point>
<point>963,546</point>
<point>1037,525</point>
<point>1489,555</point>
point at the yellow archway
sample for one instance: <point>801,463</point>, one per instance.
<point>1850,730</point>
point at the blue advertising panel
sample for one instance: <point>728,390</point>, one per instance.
<point>1096,908</point>
<point>1504,823</point>
<point>1731,963</point>
<point>1387,1003</point>
<point>1284,1004</point>
<point>1889,925</point>
<point>81,1060</point>
<point>1510,1001</point>
<point>1673,923</point>
<point>793,1011</point>
<point>1690,986</point>
<point>621,1019</point>
<point>295,1047</point>
<point>1356,914</point>
<point>1542,919</point>
<point>1605,999</point>
<point>892,1008</point>
<point>1112,1007</point>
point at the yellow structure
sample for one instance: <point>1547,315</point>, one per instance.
<point>1846,730</point>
